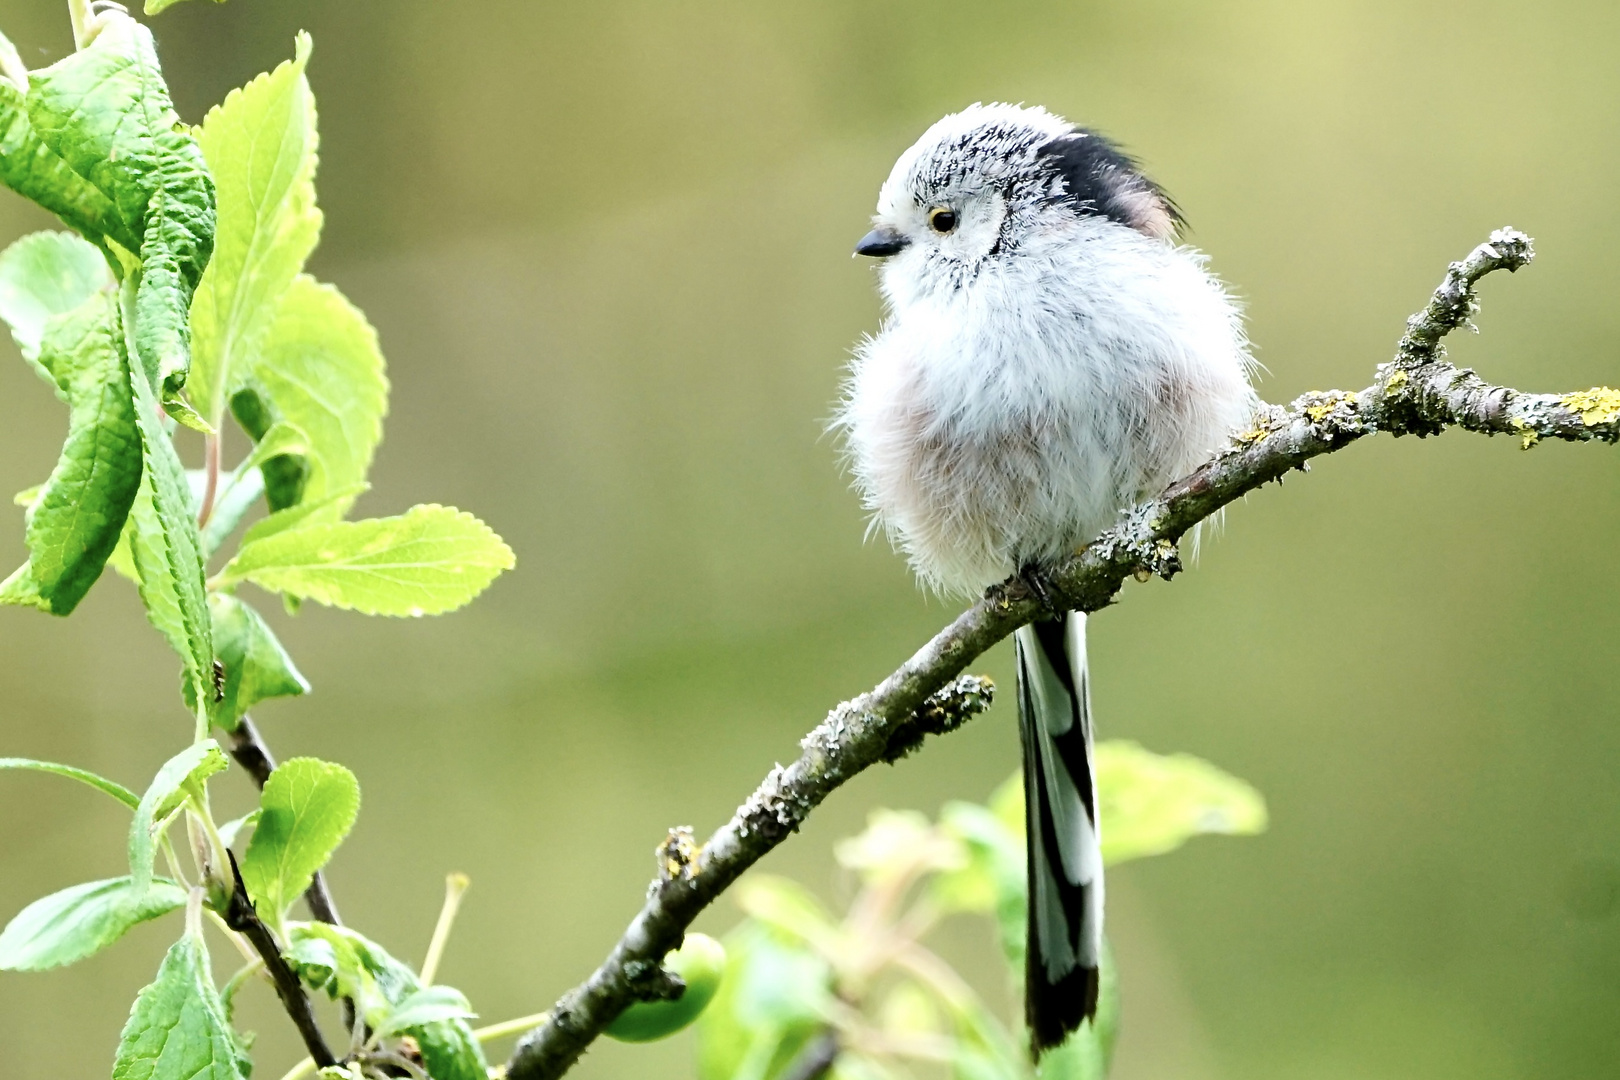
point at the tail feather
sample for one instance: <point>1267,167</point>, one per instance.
<point>1064,846</point>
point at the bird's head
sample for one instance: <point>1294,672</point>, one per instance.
<point>994,181</point>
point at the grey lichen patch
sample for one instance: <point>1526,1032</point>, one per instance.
<point>1334,411</point>
<point>947,709</point>
<point>1267,420</point>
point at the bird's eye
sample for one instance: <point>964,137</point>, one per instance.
<point>942,220</point>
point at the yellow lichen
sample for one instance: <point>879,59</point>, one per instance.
<point>1528,436</point>
<point>1252,436</point>
<point>1323,407</point>
<point>1395,381</point>
<point>1599,405</point>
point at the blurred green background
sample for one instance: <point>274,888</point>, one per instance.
<point>607,246</point>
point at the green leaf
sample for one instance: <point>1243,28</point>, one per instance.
<point>46,274</point>
<point>736,1041</point>
<point>70,925</point>
<point>427,1006</point>
<point>256,666</point>
<point>993,878</point>
<point>105,110</point>
<point>318,366</point>
<point>234,828</point>
<point>142,556</point>
<point>236,497</point>
<point>178,1029</point>
<point>74,524</point>
<point>788,908</point>
<point>450,1051</point>
<point>306,810</point>
<point>35,171</point>
<point>430,560</point>
<point>310,510</point>
<point>165,545</point>
<point>84,776</point>
<point>260,144</point>
<point>345,964</point>
<point>1152,803</point>
<point>178,778</point>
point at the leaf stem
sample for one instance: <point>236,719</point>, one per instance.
<point>83,19</point>
<point>511,1027</point>
<point>455,885</point>
<point>212,450</point>
<point>241,916</point>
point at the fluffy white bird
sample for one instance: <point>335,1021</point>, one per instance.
<point>1050,356</point>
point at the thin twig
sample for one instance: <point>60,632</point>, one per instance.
<point>241,917</point>
<point>455,885</point>
<point>251,752</point>
<point>1417,394</point>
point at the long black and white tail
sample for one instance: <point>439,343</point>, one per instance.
<point>1060,810</point>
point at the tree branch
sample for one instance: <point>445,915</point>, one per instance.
<point>253,754</point>
<point>240,916</point>
<point>1416,394</point>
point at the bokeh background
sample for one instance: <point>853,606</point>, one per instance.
<point>607,246</point>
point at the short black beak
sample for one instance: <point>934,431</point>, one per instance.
<point>880,242</point>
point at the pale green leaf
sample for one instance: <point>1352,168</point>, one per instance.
<point>309,511</point>
<point>232,829</point>
<point>74,524</point>
<point>256,666</point>
<point>737,1040</point>
<point>84,776</point>
<point>178,1029</point>
<point>430,560</point>
<point>179,777</point>
<point>789,908</point>
<point>46,274</point>
<point>1152,803</point>
<point>426,1006</point>
<point>345,964</point>
<point>319,367</point>
<point>237,495</point>
<point>70,925</point>
<point>306,809</point>
<point>260,144</point>
<point>898,843</point>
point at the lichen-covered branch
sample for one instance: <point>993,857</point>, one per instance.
<point>1418,393</point>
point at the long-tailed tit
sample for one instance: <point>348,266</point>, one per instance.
<point>1051,356</point>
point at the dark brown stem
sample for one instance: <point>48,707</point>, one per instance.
<point>816,1060</point>
<point>241,917</point>
<point>253,754</point>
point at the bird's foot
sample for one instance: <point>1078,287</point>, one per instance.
<point>1035,581</point>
